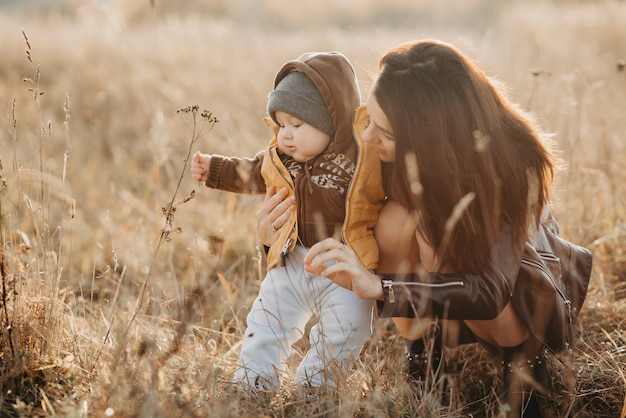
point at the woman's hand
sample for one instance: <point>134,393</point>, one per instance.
<point>273,214</point>
<point>332,259</point>
<point>200,165</point>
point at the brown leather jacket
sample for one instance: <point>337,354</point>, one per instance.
<point>545,278</point>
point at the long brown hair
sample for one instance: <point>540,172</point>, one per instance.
<point>468,158</point>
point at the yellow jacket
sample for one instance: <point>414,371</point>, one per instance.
<point>364,199</point>
<point>339,192</point>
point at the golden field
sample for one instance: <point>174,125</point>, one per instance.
<point>125,285</point>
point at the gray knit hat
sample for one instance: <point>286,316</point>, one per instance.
<point>296,95</point>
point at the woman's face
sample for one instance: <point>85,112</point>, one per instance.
<point>379,133</point>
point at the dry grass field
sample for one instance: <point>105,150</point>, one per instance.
<point>125,285</point>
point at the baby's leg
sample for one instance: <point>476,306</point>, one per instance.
<point>276,321</point>
<point>345,324</point>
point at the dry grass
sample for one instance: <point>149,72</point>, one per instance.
<point>114,306</point>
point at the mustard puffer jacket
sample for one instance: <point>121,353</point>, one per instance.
<point>339,192</point>
<point>364,199</point>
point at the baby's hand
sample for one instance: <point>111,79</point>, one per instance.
<point>200,164</point>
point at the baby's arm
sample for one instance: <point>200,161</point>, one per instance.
<point>232,174</point>
<point>200,165</point>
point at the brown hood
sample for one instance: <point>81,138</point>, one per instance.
<point>334,77</point>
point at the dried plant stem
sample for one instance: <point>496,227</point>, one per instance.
<point>3,262</point>
<point>42,219</point>
<point>4,277</point>
<point>201,125</point>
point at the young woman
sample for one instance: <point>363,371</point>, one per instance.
<point>467,176</point>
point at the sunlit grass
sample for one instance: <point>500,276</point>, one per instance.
<point>103,316</point>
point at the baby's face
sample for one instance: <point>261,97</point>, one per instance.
<point>298,139</point>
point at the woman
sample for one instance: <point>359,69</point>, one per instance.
<point>467,176</point>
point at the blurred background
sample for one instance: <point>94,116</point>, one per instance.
<point>282,12</point>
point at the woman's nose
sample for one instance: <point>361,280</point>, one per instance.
<point>367,135</point>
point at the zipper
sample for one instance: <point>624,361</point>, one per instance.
<point>391,296</point>
<point>388,290</point>
<point>285,250</point>
<point>434,285</point>
<point>548,256</point>
<point>357,163</point>
<point>566,301</point>
<point>307,175</point>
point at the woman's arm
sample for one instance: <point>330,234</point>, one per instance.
<point>456,295</point>
<point>332,259</point>
<point>462,295</point>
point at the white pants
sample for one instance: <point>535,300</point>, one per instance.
<point>287,299</point>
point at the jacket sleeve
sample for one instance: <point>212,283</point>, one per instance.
<point>457,296</point>
<point>239,175</point>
